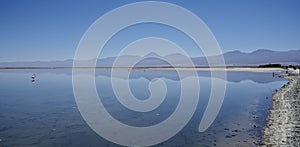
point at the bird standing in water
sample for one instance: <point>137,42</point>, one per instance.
<point>33,78</point>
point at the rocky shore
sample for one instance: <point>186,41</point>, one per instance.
<point>283,125</point>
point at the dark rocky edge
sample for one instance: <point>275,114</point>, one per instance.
<point>283,125</point>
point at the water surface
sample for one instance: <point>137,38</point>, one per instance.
<point>44,112</point>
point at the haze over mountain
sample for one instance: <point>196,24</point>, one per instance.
<point>233,58</point>
<point>262,56</point>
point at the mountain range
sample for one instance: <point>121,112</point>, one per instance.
<point>232,58</point>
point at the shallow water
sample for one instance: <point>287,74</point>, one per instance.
<point>44,112</point>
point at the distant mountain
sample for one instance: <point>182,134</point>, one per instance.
<point>258,57</point>
<point>233,58</point>
<point>64,63</point>
<point>262,56</point>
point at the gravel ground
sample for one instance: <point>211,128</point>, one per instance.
<point>283,125</point>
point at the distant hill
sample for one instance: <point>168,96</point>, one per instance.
<point>64,63</point>
<point>233,58</point>
<point>262,56</point>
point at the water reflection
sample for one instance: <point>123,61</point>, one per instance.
<point>232,76</point>
<point>45,113</point>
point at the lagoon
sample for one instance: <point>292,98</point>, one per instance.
<point>44,112</point>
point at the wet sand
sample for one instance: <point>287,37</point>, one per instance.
<point>283,125</point>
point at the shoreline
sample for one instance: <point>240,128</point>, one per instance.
<point>283,124</point>
<point>228,68</point>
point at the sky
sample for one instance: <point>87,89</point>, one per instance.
<point>47,30</point>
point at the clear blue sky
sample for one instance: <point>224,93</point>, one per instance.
<point>33,30</point>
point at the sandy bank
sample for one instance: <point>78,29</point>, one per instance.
<point>283,126</point>
<point>231,68</point>
<point>237,68</point>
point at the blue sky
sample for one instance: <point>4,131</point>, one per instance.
<point>51,29</point>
